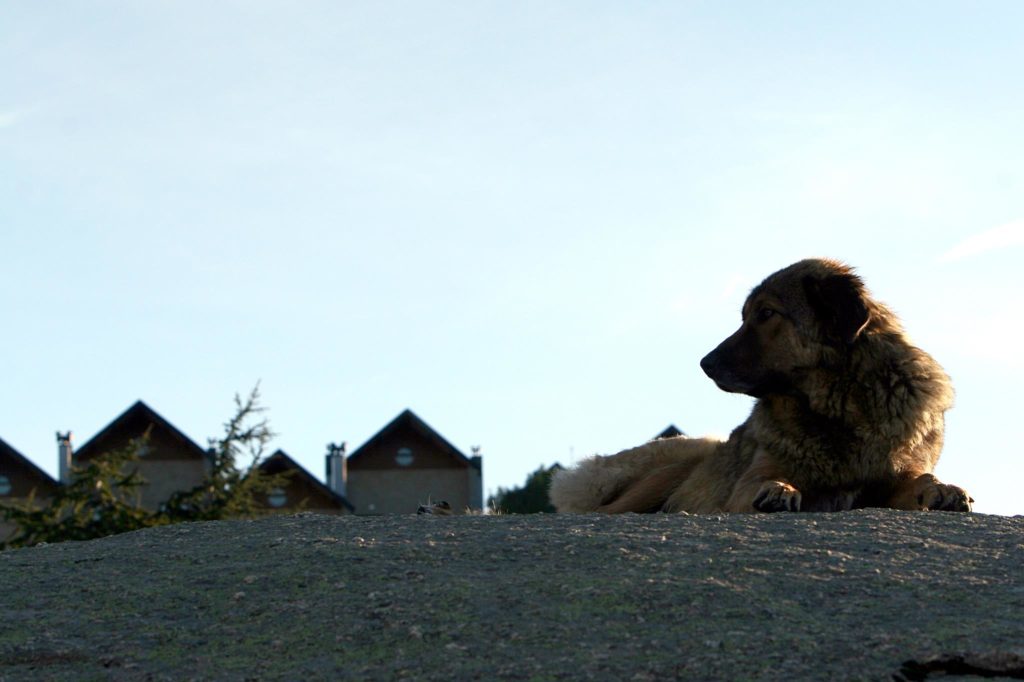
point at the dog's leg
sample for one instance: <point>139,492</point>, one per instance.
<point>650,492</point>
<point>762,487</point>
<point>924,491</point>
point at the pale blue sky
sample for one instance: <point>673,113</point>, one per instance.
<point>526,221</point>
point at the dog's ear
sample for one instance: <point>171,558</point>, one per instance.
<point>840,304</point>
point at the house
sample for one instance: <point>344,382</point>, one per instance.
<point>302,491</point>
<point>172,462</point>
<point>20,480</point>
<point>406,464</point>
<point>169,461</point>
<point>672,431</point>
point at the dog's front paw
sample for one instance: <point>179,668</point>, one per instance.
<point>777,496</point>
<point>945,497</point>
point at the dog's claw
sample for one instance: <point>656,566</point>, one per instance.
<point>946,497</point>
<point>777,496</point>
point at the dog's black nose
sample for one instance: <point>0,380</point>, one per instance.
<point>708,363</point>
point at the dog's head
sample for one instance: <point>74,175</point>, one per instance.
<point>799,319</point>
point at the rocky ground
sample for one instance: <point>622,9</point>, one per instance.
<point>846,596</point>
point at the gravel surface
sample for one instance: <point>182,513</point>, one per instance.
<point>845,596</point>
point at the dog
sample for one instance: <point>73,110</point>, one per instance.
<point>848,414</point>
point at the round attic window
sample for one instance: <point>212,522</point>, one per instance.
<point>5,485</point>
<point>277,498</point>
<point>403,457</point>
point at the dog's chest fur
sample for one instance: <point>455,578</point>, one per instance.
<point>817,452</point>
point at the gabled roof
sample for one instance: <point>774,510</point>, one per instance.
<point>10,453</point>
<point>670,432</point>
<point>408,420</point>
<point>138,415</point>
<point>281,459</point>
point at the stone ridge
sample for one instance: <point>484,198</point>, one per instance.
<point>851,596</point>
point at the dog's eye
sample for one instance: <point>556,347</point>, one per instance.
<point>765,314</point>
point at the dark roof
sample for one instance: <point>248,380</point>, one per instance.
<point>24,461</point>
<point>139,414</point>
<point>670,432</point>
<point>300,471</point>
<point>408,420</point>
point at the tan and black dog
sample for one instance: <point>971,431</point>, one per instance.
<point>849,414</point>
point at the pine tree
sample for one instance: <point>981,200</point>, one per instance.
<point>228,490</point>
<point>532,498</point>
<point>100,499</point>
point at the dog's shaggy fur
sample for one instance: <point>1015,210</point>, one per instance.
<point>849,414</point>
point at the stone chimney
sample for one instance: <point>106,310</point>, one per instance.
<point>65,457</point>
<point>476,479</point>
<point>337,468</point>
